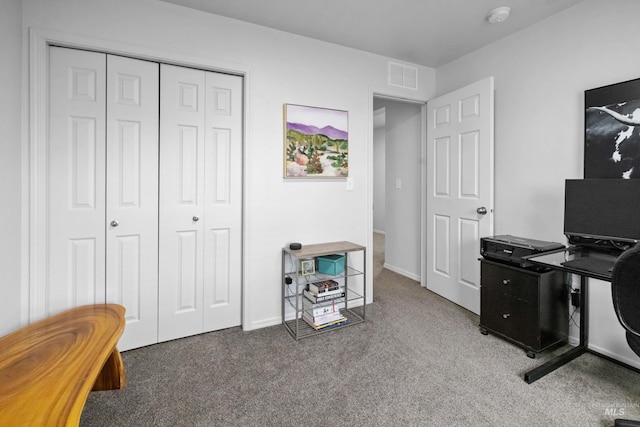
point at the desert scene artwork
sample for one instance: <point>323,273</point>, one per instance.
<point>316,142</point>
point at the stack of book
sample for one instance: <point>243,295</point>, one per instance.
<point>322,304</point>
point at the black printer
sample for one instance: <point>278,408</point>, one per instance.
<point>511,249</point>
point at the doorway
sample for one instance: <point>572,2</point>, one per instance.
<point>453,165</point>
<point>397,182</point>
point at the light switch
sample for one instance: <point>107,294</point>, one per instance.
<point>398,183</point>
<point>349,184</point>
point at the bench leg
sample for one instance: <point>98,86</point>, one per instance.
<point>112,375</point>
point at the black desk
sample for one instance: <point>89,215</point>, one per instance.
<point>587,263</point>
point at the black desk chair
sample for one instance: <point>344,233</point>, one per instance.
<point>625,288</point>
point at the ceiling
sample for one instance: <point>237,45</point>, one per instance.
<point>425,32</point>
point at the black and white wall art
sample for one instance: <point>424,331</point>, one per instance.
<point>612,131</point>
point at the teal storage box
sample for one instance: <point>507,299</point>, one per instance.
<point>331,264</point>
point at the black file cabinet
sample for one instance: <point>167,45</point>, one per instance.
<point>529,308</point>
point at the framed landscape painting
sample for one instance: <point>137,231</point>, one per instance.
<point>316,142</point>
<point>612,131</point>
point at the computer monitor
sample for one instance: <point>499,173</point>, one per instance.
<point>602,212</point>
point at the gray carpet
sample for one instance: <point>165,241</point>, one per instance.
<point>419,360</point>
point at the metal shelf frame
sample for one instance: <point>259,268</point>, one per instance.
<point>292,293</point>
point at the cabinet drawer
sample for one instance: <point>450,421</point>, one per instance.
<point>513,319</point>
<point>501,282</point>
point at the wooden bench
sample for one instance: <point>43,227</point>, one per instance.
<point>48,368</point>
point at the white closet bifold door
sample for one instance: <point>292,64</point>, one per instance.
<point>103,187</point>
<point>132,196</point>
<point>76,180</point>
<point>181,201</point>
<point>200,201</point>
<point>223,202</point>
<point>144,173</point>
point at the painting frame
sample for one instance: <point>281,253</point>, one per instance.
<point>612,131</point>
<point>316,142</point>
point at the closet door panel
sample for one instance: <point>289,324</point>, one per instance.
<point>76,179</point>
<point>187,245</point>
<point>223,202</point>
<point>181,202</point>
<point>132,195</point>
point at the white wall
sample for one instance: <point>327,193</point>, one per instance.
<point>541,74</point>
<point>281,68</point>
<point>10,161</point>
<point>403,131</point>
<point>379,161</point>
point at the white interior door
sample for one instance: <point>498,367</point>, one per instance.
<point>132,196</point>
<point>200,202</point>
<point>76,180</point>
<point>459,190</point>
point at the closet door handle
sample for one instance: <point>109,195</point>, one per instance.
<point>114,223</point>
<point>195,219</point>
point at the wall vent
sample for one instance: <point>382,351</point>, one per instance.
<point>403,76</point>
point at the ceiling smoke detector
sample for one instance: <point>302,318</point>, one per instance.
<point>499,14</point>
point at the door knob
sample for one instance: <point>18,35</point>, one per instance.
<point>195,219</point>
<point>114,223</point>
<point>482,210</point>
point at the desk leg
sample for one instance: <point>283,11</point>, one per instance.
<point>584,312</point>
<point>569,355</point>
<point>553,364</point>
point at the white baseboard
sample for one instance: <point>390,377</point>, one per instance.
<point>402,272</point>
<point>379,232</point>
<point>618,357</point>
<point>575,341</point>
